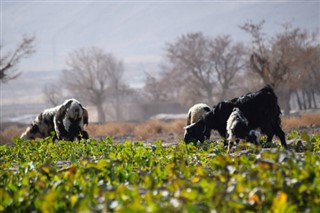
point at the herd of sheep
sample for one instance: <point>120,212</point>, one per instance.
<point>241,118</point>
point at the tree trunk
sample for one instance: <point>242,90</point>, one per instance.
<point>298,100</point>
<point>118,116</point>
<point>284,99</point>
<point>101,114</point>
<point>304,99</point>
<point>314,99</point>
<point>286,107</point>
<point>309,100</point>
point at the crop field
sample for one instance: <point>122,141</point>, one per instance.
<point>124,173</point>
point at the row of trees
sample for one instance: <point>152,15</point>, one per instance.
<point>206,69</point>
<point>95,77</point>
<point>197,68</point>
<point>289,61</point>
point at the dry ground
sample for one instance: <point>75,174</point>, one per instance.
<point>153,130</point>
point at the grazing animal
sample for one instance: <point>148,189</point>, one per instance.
<point>260,108</point>
<point>196,112</point>
<point>66,120</point>
<point>237,128</point>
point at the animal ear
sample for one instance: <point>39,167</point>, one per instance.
<point>207,109</point>
<point>67,105</point>
<point>85,116</point>
<point>40,116</point>
<point>60,113</point>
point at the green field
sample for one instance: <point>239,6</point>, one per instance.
<point>103,176</point>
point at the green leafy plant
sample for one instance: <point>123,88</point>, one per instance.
<point>101,176</point>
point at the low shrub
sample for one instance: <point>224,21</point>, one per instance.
<point>103,176</point>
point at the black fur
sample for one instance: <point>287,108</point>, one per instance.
<point>197,131</point>
<point>74,130</point>
<point>207,109</point>
<point>52,120</point>
<point>241,130</point>
<point>34,128</point>
<point>260,108</point>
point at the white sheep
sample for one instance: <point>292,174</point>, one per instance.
<point>196,112</point>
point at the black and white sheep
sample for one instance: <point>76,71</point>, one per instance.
<point>237,129</point>
<point>196,112</point>
<point>66,120</point>
<point>260,108</point>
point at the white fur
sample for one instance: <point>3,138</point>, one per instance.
<point>57,119</point>
<point>237,118</point>
<point>44,129</point>
<point>71,113</point>
<point>196,112</point>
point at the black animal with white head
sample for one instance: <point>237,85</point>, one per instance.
<point>197,132</point>
<point>66,120</point>
<point>260,108</point>
<point>237,128</point>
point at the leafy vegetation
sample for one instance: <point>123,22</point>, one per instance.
<point>102,176</point>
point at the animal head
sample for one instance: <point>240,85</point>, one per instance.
<point>73,110</point>
<point>254,136</point>
<point>236,111</point>
<point>32,132</point>
<point>238,115</point>
<point>197,132</point>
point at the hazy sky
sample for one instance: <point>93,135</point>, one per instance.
<point>137,31</point>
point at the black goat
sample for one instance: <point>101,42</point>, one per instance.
<point>260,108</point>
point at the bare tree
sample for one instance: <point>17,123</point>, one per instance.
<point>306,87</point>
<point>117,87</point>
<point>91,74</point>
<point>280,60</point>
<point>190,58</point>
<point>203,66</point>
<point>9,61</point>
<point>154,89</point>
<point>53,95</point>
<point>228,60</point>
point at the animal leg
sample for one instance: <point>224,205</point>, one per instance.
<point>230,144</point>
<point>280,134</point>
<point>84,135</point>
<point>237,141</point>
<point>225,142</point>
<point>269,137</point>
